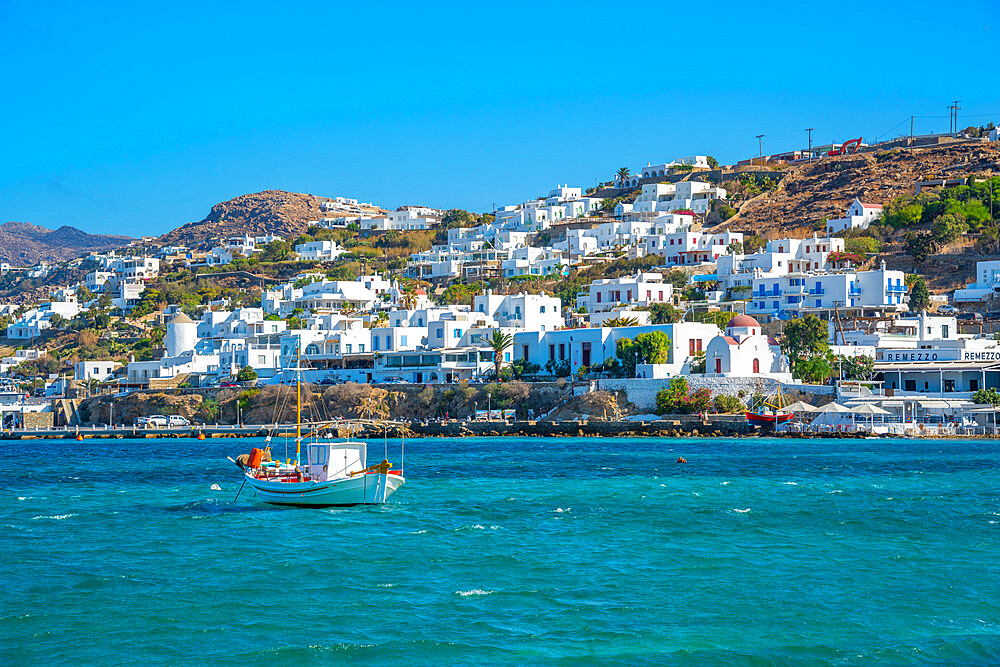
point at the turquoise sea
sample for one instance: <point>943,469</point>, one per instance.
<point>509,551</point>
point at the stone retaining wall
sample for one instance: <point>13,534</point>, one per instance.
<point>642,392</point>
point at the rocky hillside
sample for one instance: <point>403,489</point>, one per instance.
<point>278,212</point>
<point>823,189</point>
<point>23,244</point>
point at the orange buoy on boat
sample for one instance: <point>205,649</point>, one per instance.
<point>681,459</point>
<point>201,436</point>
<point>79,438</point>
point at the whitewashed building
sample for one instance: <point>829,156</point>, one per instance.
<point>744,351</point>
<point>987,283</point>
<point>319,251</point>
<point>858,216</point>
<point>642,289</point>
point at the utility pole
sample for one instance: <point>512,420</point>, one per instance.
<point>911,129</point>
<point>953,116</point>
<point>760,147</point>
<point>810,131</point>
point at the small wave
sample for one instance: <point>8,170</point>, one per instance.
<point>57,517</point>
<point>724,483</point>
<point>473,526</point>
<point>741,511</point>
<point>475,591</point>
<point>25,497</point>
<point>560,510</point>
<point>387,585</point>
<point>837,491</point>
<point>418,532</point>
<point>790,483</point>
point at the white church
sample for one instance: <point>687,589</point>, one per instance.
<point>744,351</point>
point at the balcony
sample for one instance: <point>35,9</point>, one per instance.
<point>896,289</point>
<point>854,291</point>
<point>818,290</point>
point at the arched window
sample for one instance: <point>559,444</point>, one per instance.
<point>756,365</point>
<point>312,348</point>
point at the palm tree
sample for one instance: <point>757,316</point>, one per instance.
<point>622,174</point>
<point>619,321</point>
<point>409,297</point>
<point>499,341</point>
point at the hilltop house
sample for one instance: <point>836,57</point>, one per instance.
<point>859,215</point>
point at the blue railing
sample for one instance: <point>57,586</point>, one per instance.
<point>854,291</point>
<point>818,290</point>
<point>895,288</point>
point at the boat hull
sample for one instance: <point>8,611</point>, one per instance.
<point>371,489</point>
<point>756,418</point>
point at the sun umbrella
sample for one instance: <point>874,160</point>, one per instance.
<point>834,408</point>
<point>869,409</point>
<point>799,406</point>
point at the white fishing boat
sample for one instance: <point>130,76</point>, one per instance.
<point>336,474</point>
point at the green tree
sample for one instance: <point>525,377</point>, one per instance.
<point>920,296</point>
<point>727,405</point>
<point>246,374</point>
<point>623,174</point>
<point>653,347</point>
<point>752,244</point>
<point>862,245</point>
<point>814,370</point>
<point>499,342</point>
<point>919,246</point>
<point>857,368</point>
<point>626,352</point>
<point>946,228</point>
<point>276,251</point>
<point>664,313</point>
<point>805,337</point>
<point>712,162</point>
<point>988,242</point>
<point>986,396</point>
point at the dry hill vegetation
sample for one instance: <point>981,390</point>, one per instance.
<point>810,193</point>
<point>285,214</point>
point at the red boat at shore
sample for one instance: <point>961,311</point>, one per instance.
<point>760,418</point>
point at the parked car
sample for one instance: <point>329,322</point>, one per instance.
<point>947,310</point>
<point>970,317</point>
<point>142,421</point>
<point>327,381</point>
<point>227,383</point>
<point>177,420</point>
<point>157,420</point>
<point>394,380</point>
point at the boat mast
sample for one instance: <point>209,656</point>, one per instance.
<point>298,403</point>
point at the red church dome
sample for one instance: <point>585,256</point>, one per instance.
<point>741,321</point>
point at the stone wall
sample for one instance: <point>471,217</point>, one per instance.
<point>642,392</point>
<point>38,419</point>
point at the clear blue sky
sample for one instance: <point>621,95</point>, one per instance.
<point>135,119</point>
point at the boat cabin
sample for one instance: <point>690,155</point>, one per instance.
<point>336,460</point>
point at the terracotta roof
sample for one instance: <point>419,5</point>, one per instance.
<point>864,205</point>
<point>743,321</point>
